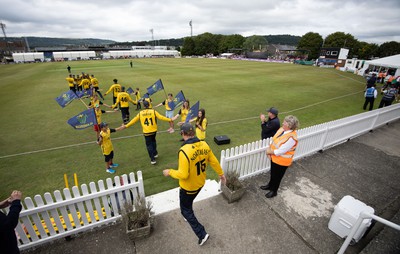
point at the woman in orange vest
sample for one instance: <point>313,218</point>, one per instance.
<point>281,152</point>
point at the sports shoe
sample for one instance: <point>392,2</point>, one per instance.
<point>156,156</point>
<point>114,165</point>
<point>153,162</point>
<point>202,241</point>
<point>171,130</point>
<point>110,170</point>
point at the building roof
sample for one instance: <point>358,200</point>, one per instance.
<point>390,61</point>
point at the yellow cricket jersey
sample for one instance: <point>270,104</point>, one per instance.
<point>70,81</point>
<point>148,120</point>
<point>106,145</point>
<point>95,82</point>
<point>85,83</point>
<point>138,95</point>
<point>167,104</point>
<point>184,112</point>
<point>98,113</point>
<point>123,99</point>
<point>116,88</point>
<point>199,133</point>
<point>194,156</point>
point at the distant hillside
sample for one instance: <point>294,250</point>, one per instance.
<point>34,42</point>
<point>56,42</point>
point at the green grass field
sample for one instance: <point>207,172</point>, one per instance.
<point>38,146</point>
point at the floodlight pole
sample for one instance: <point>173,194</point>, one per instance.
<point>191,28</point>
<point>152,35</point>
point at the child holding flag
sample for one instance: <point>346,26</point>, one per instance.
<point>107,148</point>
<point>169,106</point>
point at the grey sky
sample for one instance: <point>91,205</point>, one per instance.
<point>131,20</point>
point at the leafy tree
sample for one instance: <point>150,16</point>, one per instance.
<point>311,42</point>
<point>255,42</point>
<point>389,49</point>
<point>342,40</point>
<point>206,43</point>
<point>367,50</point>
<point>188,47</point>
<point>285,39</point>
<point>228,42</point>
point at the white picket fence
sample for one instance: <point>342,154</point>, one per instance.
<point>250,159</point>
<point>54,217</point>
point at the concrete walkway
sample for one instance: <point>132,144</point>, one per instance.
<point>296,221</point>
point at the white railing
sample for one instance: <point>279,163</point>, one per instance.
<point>250,159</point>
<point>57,217</point>
<point>364,215</point>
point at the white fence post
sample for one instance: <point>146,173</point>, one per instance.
<point>88,208</point>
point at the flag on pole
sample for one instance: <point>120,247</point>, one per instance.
<point>178,100</point>
<point>130,90</point>
<point>193,112</point>
<point>66,98</point>
<point>83,120</point>
<point>84,93</point>
<point>157,86</point>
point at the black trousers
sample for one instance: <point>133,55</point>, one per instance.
<point>385,103</point>
<point>125,114</point>
<point>369,100</point>
<point>186,199</point>
<point>151,145</point>
<point>277,173</point>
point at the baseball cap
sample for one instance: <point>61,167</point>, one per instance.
<point>103,124</point>
<point>273,111</point>
<point>186,127</point>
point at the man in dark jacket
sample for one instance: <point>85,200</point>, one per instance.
<point>8,240</point>
<point>270,126</point>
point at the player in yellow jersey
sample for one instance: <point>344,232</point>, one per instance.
<point>78,80</point>
<point>70,81</point>
<point>107,148</point>
<point>193,158</point>
<point>115,88</point>
<point>148,119</point>
<point>85,83</point>
<point>95,86</point>
<point>123,100</point>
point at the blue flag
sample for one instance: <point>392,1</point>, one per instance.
<point>178,100</point>
<point>193,112</point>
<point>83,120</point>
<point>130,90</point>
<point>65,98</point>
<point>155,87</point>
<point>84,93</point>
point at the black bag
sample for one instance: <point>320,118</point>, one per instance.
<point>221,140</point>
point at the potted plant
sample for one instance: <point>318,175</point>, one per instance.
<point>233,189</point>
<point>137,218</point>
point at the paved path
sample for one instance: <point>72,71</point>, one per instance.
<point>296,221</point>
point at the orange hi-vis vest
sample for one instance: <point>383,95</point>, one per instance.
<point>278,140</point>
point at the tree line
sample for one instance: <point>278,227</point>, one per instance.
<point>311,42</point>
